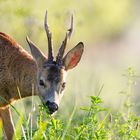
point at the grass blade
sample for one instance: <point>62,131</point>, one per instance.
<point>69,122</point>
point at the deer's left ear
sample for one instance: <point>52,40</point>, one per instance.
<point>36,53</point>
<point>73,56</point>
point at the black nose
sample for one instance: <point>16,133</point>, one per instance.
<point>52,106</point>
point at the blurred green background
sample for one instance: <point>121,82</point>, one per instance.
<point>109,29</point>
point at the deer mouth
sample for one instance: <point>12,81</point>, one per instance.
<point>52,107</point>
<point>50,112</point>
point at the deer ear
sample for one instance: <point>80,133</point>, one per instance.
<point>73,56</point>
<point>36,53</point>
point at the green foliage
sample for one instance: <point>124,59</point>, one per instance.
<point>92,127</point>
<point>93,20</point>
<point>0,129</point>
<point>96,123</point>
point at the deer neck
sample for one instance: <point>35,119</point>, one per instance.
<point>24,76</point>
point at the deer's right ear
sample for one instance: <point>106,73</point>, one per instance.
<point>36,53</point>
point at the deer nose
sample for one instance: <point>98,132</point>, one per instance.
<point>52,106</point>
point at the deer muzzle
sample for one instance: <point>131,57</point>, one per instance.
<point>52,106</point>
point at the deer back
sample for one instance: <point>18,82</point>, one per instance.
<point>17,70</point>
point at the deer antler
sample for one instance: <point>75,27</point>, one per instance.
<point>64,43</point>
<point>49,36</point>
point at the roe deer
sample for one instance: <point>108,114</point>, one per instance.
<point>19,69</point>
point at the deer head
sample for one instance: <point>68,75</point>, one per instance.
<point>51,75</point>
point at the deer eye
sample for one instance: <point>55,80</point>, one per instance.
<point>41,83</point>
<point>63,85</point>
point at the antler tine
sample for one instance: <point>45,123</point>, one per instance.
<point>61,50</point>
<point>64,43</point>
<point>49,36</point>
<point>71,27</point>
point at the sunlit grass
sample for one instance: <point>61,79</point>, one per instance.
<point>93,20</point>
<point>92,121</point>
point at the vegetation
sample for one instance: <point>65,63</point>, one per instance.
<point>87,111</point>
<point>95,123</point>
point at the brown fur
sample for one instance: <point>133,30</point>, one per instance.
<point>17,71</point>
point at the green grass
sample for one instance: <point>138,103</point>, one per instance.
<point>97,123</point>
<point>84,112</point>
<point>92,122</point>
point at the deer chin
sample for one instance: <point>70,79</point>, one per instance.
<point>53,114</point>
<point>50,112</point>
